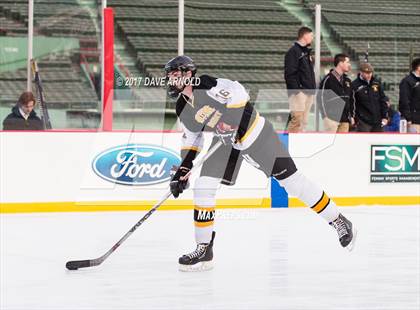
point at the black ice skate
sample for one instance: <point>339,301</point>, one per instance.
<point>346,233</point>
<point>200,259</point>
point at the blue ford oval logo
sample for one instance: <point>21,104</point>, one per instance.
<point>136,164</point>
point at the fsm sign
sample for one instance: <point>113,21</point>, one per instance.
<point>394,163</point>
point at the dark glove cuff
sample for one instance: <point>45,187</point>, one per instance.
<point>187,158</point>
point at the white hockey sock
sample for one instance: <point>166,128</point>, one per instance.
<point>204,207</point>
<point>300,186</point>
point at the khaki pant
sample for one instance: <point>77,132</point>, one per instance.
<point>300,105</point>
<point>414,128</point>
<point>333,126</point>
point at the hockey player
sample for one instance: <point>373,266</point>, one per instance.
<point>222,106</point>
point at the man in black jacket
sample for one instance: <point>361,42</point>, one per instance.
<point>334,96</point>
<point>300,80</point>
<point>409,104</point>
<point>368,101</point>
<point>23,116</point>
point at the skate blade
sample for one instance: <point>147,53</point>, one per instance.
<point>201,266</point>
<point>352,244</point>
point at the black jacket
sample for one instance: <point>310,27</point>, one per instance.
<point>409,104</point>
<point>15,121</point>
<point>333,98</point>
<point>367,101</point>
<point>299,68</point>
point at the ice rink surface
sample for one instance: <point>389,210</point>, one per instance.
<point>264,259</point>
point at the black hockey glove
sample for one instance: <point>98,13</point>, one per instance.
<point>179,180</point>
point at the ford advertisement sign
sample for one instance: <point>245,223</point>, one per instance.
<point>136,164</point>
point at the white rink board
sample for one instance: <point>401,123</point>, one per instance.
<point>58,165</point>
<point>341,163</point>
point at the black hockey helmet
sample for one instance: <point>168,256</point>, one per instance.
<point>182,63</point>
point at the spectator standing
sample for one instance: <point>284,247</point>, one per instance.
<point>409,104</point>
<point>300,80</point>
<point>367,103</point>
<point>334,96</point>
<point>23,116</point>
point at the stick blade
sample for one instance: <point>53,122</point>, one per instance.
<point>76,264</point>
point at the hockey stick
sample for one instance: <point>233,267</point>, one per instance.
<point>76,264</point>
<point>40,98</point>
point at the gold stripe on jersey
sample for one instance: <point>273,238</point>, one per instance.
<point>191,148</point>
<point>248,132</point>
<point>321,204</point>
<point>237,105</point>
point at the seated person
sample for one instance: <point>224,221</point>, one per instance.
<point>394,118</point>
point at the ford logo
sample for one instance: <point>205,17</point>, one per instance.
<point>136,164</point>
